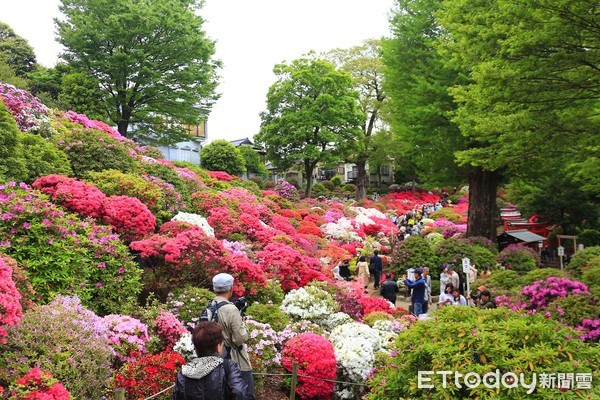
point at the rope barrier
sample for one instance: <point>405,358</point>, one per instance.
<point>159,393</point>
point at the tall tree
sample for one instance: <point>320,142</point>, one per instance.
<point>534,83</point>
<point>418,80</point>
<point>152,59</point>
<point>312,116</point>
<point>365,65</point>
<point>16,51</point>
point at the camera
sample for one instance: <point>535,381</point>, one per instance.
<point>240,303</point>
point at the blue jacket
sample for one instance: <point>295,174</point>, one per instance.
<point>419,287</point>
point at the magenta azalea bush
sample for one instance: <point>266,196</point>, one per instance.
<point>127,336</point>
<point>10,300</point>
<point>519,258</point>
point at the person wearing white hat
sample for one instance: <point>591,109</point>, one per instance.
<point>234,330</point>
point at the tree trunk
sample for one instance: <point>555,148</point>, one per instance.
<point>482,203</point>
<point>361,179</point>
<point>308,170</point>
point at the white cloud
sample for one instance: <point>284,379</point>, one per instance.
<point>252,36</point>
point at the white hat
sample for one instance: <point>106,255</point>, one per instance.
<point>222,282</point>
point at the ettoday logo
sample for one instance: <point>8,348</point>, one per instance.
<point>508,380</point>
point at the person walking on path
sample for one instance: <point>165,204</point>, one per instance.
<point>389,289</point>
<point>444,279</point>
<point>427,279</point>
<point>375,268</point>
<point>363,271</point>
<point>418,287</point>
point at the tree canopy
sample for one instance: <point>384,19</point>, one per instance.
<point>153,61</point>
<point>312,116</point>
<point>16,51</point>
<point>364,64</point>
<point>221,155</point>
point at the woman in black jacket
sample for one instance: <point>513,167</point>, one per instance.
<point>209,377</point>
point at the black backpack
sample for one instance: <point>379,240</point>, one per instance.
<point>210,312</point>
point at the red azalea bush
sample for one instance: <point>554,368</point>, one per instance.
<point>220,176</point>
<point>129,216</point>
<point>203,201</point>
<point>76,196</point>
<point>10,305</point>
<point>38,385</point>
<point>316,359</point>
<point>371,304</point>
<point>282,224</point>
<point>289,266</point>
<point>149,375</point>
<point>310,228</point>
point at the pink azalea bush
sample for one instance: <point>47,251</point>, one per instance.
<point>129,217</point>
<point>38,385</point>
<point>169,329</point>
<point>127,336</point>
<point>541,293</point>
<point>29,112</point>
<point>10,300</point>
<point>315,358</point>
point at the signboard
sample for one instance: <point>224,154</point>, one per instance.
<point>466,264</point>
<point>561,251</point>
<point>410,274</point>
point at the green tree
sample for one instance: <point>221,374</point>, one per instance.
<point>532,94</point>
<point>254,162</point>
<point>152,59</point>
<point>364,64</point>
<point>418,80</point>
<point>221,155</point>
<point>312,116</point>
<point>16,51</point>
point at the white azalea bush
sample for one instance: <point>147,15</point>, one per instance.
<point>195,219</point>
<point>331,321</point>
<point>355,345</point>
<point>185,347</point>
<point>309,303</point>
<point>342,230</point>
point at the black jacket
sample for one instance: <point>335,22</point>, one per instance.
<point>375,264</point>
<point>389,288</point>
<point>210,378</point>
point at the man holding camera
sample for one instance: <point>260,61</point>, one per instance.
<point>234,330</point>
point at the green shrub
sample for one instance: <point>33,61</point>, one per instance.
<point>269,314</point>
<point>452,250</point>
<point>501,282</point>
<point>466,339</point>
<point>221,155</point>
<point>445,213</point>
<point>249,185</point>
<point>376,316</point>
<point>581,259</point>
<point>62,338</point>
<point>328,185</point>
<point>541,275</point>
<point>272,293</point>
<point>42,158</point>
<point>202,174</point>
<point>93,150</point>
<point>165,172</point>
<point>318,189</point>
<point>572,310</point>
<point>349,188</point>
<point>589,237</point>
<point>188,303</point>
<point>12,163</point>
<point>591,276</point>
<point>413,252</point>
<point>337,181</point>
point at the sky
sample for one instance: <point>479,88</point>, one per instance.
<point>252,36</point>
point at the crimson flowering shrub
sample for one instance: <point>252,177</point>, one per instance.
<point>10,305</point>
<point>310,228</point>
<point>372,304</point>
<point>282,224</point>
<point>38,385</point>
<point>316,359</point>
<point>76,196</point>
<point>65,339</point>
<point>220,176</point>
<point>169,329</point>
<point>289,266</point>
<point>129,217</point>
<point>202,202</point>
<point>63,254</point>
<point>148,376</point>
<point>22,284</point>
